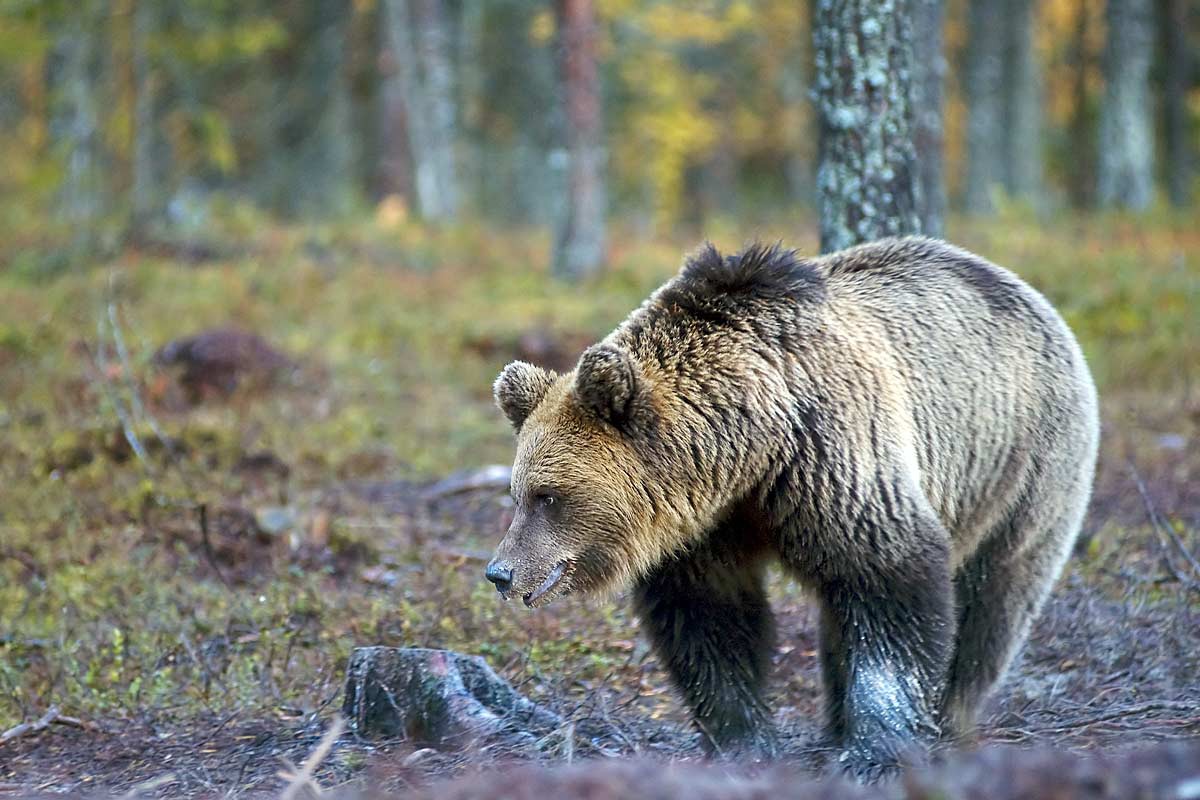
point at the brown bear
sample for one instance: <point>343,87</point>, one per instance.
<point>907,428</point>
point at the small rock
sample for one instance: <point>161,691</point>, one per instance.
<point>439,698</point>
<point>1172,441</point>
<point>417,756</point>
<point>275,520</point>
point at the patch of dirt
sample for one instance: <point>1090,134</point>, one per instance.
<point>213,363</point>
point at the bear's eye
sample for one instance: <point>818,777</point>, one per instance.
<point>545,499</point>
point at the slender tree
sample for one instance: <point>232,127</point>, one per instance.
<point>433,48</point>
<point>1081,129</point>
<point>1022,104</point>
<point>1178,70</point>
<point>1004,104</point>
<point>929,72</point>
<point>147,167</point>
<point>866,178</point>
<point>580,245</point>
<point>311,151</point>
<point>395,168</point>
<point>419,48</point>
<point>985,104</point>
<point>73,79</point>
<point>1126,162</point>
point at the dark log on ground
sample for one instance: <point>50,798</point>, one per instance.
<point>440,698</point>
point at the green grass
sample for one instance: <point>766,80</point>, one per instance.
<point>401,330</point>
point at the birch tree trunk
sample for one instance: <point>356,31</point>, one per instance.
<point>73,82</point>
<point>866,177</point>
<point>433,49</point>
<point>420,50</point>
<point>580,247</point>
<point>929,72</point>
<point>1126,161</point>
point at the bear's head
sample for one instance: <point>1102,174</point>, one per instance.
<point>582,513</point>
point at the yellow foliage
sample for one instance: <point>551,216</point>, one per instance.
<point>542,26</point>
<point>677,114</point>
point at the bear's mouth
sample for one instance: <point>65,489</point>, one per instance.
<point>547,591</point>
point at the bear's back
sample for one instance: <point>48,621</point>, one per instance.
<point>986,372</point>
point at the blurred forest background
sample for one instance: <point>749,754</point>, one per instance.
<point>260,261</point>
<point>122,119</point>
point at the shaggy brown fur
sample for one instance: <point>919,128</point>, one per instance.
<point>908,428</point>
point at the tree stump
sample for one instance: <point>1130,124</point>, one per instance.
<point>438,698</point>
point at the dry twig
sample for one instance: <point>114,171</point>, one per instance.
<point>51,717</point>
<point>1165,531</point>
<point>145,787</point>
<point>302,778</point>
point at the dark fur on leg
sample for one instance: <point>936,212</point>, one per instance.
<point>710,623</point>
<point>999,592</point>
<point>886,645</point>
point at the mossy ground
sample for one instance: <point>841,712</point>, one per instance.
<point>119,607</point>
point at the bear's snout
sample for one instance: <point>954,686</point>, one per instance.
<point>500,574</point>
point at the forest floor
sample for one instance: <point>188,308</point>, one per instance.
<point>188,554</point>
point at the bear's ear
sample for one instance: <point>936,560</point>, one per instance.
<point>518,390</point>
<point>607,382</point>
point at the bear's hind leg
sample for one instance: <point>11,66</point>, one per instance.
<point>886,639</point>
<point>710,623</point>
<point>1000,592</point>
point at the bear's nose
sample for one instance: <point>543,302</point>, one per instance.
<point>501,574</point>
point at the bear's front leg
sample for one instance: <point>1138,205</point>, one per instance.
<point>710,623</point>
<point>886,641</point>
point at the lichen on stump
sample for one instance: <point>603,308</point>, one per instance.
<point>439,698</point>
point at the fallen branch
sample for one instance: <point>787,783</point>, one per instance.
<point>51,717</point>
<point>495,477</point>
<point>1164,530</point>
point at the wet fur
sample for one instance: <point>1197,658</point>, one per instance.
<point>908,428</point>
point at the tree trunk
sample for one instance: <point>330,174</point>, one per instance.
<point>419,48</point>
<point>394,172</point>
<point>866,178</point>
<point>433,49</point>
<point>580,248</point>
<point>412,99</point>
<point>1126,162</point>
<point>1023,105</point>
<point>72,75</point>
<point>1081,169</point>
<point>148,172</point>
<point>928,75</point>
<point>326,166</point>
<point>1177,71</point>
<point>473,73</point>
<point>311,157</point>
<point>985,105</point>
